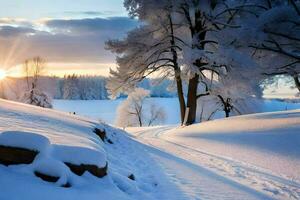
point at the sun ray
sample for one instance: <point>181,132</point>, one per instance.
<point>12,51</point>
<point>2,74</point>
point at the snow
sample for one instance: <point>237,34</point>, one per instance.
<point>80,155</point>
<point>106,110</point>
<point>255,154</point>
<point>245,157</point>
<point>61,137</point>
<point>25,122</point>
<point>24,140</point>
<point>260,139</point>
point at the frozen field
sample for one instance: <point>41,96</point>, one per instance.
<point>106,109</point>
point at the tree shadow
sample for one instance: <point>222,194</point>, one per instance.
<point>284,141</point>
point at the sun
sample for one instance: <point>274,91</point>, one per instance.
<point>2,74</point>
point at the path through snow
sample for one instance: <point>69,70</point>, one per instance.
<point>202,175</point>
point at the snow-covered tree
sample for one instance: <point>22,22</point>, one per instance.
<point>152,48</point>
<point>204,29</point>
<point>213,44</point>
<point>273,33</point>
<point>280,28</point>
<point>134,111</point>
<point>33,69</point>
<point>212,26</point>
<point>70,88</point>
<point>37,98</point>
<point>157,115</point>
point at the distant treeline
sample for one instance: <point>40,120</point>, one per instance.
<point>94,88</point>
<point>81,88</point>
<point>74,87</point>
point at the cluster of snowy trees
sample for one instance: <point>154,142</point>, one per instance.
<point>223,50</point>
<point>135,111</point>
<point>75,87</point>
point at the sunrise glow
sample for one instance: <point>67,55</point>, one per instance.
<point>2,74</point>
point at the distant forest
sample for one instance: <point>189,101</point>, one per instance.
<point>73,87</point>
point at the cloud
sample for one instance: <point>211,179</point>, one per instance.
<point>90,13</point>
<point>117,25</point>
<point>11,31</point>
<point>15,21</point>
<point>62,40</point>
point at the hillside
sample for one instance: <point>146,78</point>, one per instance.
<point>247,157</point>
<point>48,152</point>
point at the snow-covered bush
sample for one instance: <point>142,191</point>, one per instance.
<point>37,98</point>
<point>210,107</point>
<point>135,111</point>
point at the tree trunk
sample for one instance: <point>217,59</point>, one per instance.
<point>140,120</point>
<point>192,99</point>
<point>197,30</point>
<point>297,82</point>
<point>177,73</point>
<point>226,105</point>
<point>226,112</point>
<point>180,98</point>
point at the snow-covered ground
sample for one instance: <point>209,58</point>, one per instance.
<point>247,157</point>
<point>63,138</point>
<point>106,109</point>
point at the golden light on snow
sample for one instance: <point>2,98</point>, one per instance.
<point>2,74</point>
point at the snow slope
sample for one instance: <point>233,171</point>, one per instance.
<point>243,157</point>
<point>59,138</point>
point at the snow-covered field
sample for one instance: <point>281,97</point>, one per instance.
<point>106,109</point>
<point>247,157</point>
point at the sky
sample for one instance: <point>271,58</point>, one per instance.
<point>69,34</point>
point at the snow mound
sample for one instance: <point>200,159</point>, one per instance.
<point>25,140</point>
<point>80,155</point>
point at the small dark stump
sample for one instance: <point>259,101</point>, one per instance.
<point>67,185</point>
<point>16,155</point>
<point>109,141</point>
<point>93,169</point>
<point>100,133</point>
<point>132,177</point>
<point>45,177</point>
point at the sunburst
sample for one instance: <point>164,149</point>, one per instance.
<point>2,74</point>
